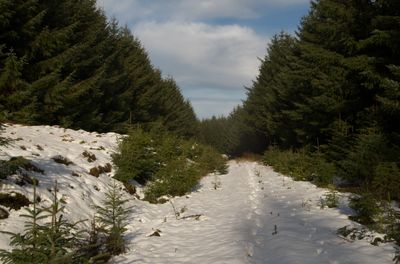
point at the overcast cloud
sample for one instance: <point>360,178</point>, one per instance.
<point>211,60</point>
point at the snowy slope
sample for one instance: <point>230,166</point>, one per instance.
<point>40,144</point>
<point>255,216</point>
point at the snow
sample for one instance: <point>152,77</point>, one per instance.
<point>254,216</point>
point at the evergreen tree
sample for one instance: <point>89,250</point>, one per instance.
<point>28,245</point>
<point>55,54</point>
<point>41,241</point>
<point>113,217</point>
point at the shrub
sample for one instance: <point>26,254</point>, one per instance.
<point>172,165</point>
<point>301,165</point>
<point>113,217</point>
<point>321,171</point>
<point>368,150</point>
<point>136,157</point>
<point>178,178</point>
<point>209,160</point>
<point>386,181</point>
<point>50,242</point>
<point>330,199</point>
<point>366,208</point>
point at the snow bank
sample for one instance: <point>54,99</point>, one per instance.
<point>254,216</point>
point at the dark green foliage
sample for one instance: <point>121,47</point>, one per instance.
<point>208,160</point>
<point>330,199</point>
<point>14,165</point>
<point>27,245</point>
<point>326,101</point>
<point>113,216</point>
<point>301,165</point>
<point>43,241</point>
<point>366,208</point>
<point>61,235</point>
<point>231,135</point>
<point>136,157</point>
<point>177,178</point>
<point>54,54</point>
<point>92,248</point>
<point>363,156</point>
<point>172,165</point>
<point>386,181</point>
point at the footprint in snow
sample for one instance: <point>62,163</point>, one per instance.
<point>249,249</point>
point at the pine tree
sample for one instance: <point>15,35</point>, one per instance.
<point>42,241</point>
<point>14,95</point>
<point>113,217</point>
<point>61,235</point>
<point>28,245</point>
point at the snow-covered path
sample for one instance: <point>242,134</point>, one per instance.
<point>256,216</point>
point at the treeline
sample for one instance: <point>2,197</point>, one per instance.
<point>330,94</point>
<point>62,62</point>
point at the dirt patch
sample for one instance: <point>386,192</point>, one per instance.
<point>62,160</point>
<point>90,157</point>
<point>13,200</point>
<point>96,171</point>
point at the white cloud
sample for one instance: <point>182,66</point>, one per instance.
<point>191,10</point>
<point>198,54</point>
<point>207,60</point>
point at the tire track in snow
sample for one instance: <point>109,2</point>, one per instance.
<point>304,234</point>
<point>238,225</point>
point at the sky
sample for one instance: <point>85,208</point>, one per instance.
<point>212,48</point>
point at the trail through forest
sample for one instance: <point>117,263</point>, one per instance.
<point>254,216</point>
<point>250,215</point>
